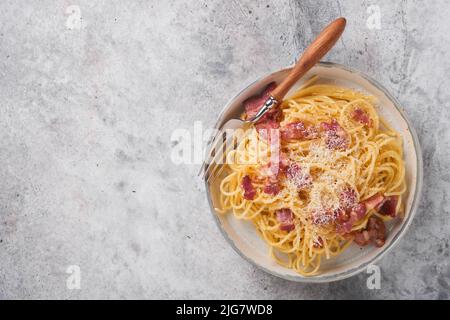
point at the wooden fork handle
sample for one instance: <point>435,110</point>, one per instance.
<point>316,50</point>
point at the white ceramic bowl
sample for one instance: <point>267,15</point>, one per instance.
<point>242,235</point>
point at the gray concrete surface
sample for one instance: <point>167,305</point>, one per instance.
<point>88,107</point>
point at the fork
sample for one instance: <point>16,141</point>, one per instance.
<point>212,168</point>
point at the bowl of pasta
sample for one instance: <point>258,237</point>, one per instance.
<point>324,184</point>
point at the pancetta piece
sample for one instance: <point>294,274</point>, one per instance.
<point>286,219</point>
<point>361,116</point>
<point>336,138</point>
<point>249,190</point>
<point>388,206</point>
<point>296,175</point>
<point>298,131</point>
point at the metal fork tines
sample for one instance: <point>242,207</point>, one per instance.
<point>226,140</point>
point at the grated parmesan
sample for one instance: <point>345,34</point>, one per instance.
<point>324,193</point>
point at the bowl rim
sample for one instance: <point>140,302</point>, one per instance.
<point>414,206</point>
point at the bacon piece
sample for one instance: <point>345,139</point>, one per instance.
<point>362,117</point>
<point>345,227</point>
<point>271,172</point>
<point>335,136</point>
<point>384,205</point>
<point>373,201</point>
<point>341,215</point>
<point>388,206</point>
<point>272,188</point>
<point>253,104</point>
<point>346,219</point>
<point>322,217</point>
<point>274,142</point>
<point>265,128</point>
<point>284,161</point>
<point>362,238</point>
<point>298,130</point>
<point>359,210</point>
<point>249,190</point>
<point>276,165</point>
<point>347,198</point>
<point>297,176</point>
<point>377,231</point>
<point>350,211</point>
<point>286,219</point>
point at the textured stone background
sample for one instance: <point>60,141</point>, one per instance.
<point>86,115</point>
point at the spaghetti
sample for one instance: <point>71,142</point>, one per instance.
<point>320,172</point>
